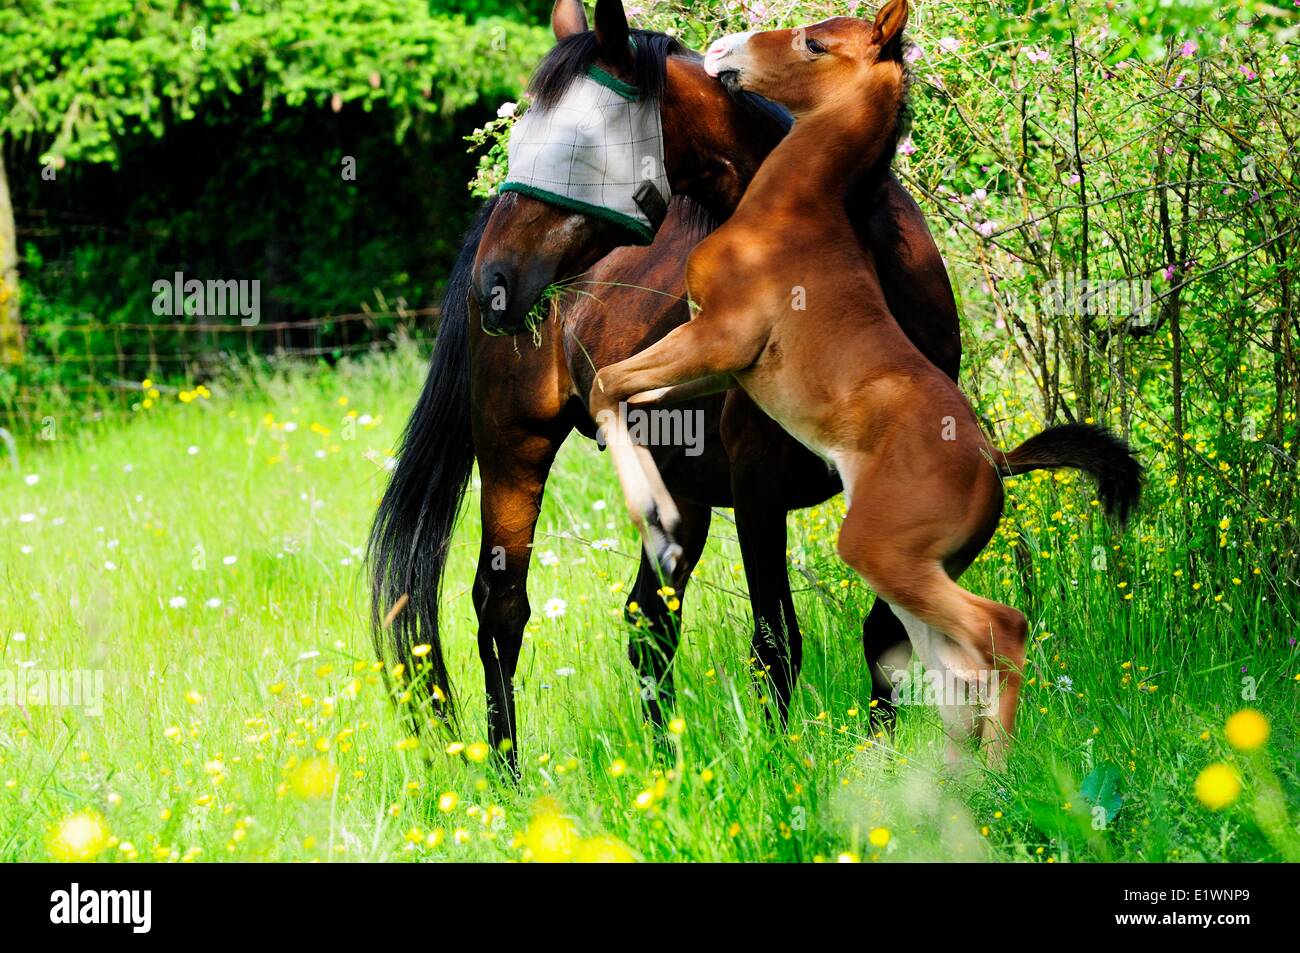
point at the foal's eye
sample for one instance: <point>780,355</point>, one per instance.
<point>815,48</point>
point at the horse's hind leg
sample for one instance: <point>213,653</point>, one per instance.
<point>652,644</point>
<point>887,649</point>
<point>513,467</point>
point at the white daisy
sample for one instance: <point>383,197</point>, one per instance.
<point>555,608</point>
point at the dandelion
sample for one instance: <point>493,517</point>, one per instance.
<point>677,726</point>
<point>555,608</point>
<point>603,849</point>
<point>79,837</point>
<point>313,779</point>
<point>477,752</point>
<point>879,836</point>
<point>847,857</point>
<point>1217,786</point>
<point>1246,729</point>
<point>447,801</point>
<point>551,838</point>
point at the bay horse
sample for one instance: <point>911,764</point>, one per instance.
<point>510,404</point>
<point>923,482</point>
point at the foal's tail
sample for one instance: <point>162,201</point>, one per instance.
<point>412,531</point>
<point>1095,450</point>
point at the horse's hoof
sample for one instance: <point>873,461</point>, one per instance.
<point>668,557</point>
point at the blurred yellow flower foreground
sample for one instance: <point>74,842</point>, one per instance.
<point>79,837</point>
<point>1246,729</point>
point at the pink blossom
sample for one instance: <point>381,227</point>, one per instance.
<point>1169,272</point>
<point>905,147</point>
<point>913,53</point>
<point>1189,49</point>
<point>949,44</point>
<point>986,228</point>
<point>1247,72</point>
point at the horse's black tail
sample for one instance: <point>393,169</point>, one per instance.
<point>1092,449</point>
<point>411,535</point>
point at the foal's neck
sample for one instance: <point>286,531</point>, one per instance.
<point>831,148</point>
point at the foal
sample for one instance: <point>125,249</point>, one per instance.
<point>791,310</point>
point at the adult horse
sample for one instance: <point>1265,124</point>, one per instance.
<point>511,403</point>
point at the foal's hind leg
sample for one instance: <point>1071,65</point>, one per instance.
<point>978,644</point>
<point>652,644</point>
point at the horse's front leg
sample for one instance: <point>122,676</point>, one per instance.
<point>513,466</point>
<point>695,350</point>
<point>655,615</point>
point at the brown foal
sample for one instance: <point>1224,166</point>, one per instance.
<point>791,310</point>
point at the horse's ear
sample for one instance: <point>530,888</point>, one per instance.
<point>612,32</point>
<point>568,18</point>
<point>890,20</point>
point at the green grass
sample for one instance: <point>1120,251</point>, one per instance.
<point>220,722</point>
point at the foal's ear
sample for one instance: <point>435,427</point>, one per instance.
<point>568,18</point>
<point>889,24</point>
<point>612,32</point>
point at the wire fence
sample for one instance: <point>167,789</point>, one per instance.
<point>95,368</point>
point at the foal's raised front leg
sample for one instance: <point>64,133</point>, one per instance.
<point>697,349</point>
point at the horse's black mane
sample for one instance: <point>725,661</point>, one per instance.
<point>572,56</point>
